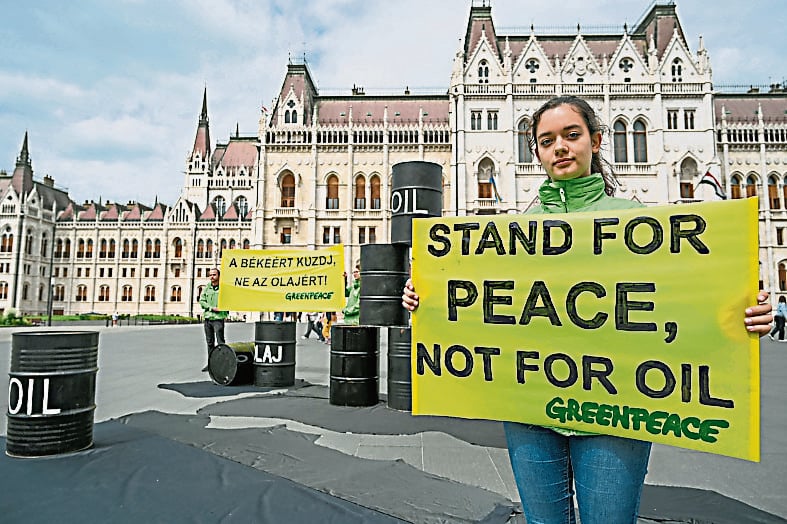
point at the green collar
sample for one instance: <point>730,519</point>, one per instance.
<point>560,196</point>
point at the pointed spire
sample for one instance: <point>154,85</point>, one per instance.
<point>202,140</point>
<point>203,118</point>
<point>237,130</point>
<point>24,154</point>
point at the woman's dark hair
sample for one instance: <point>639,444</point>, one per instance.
<point>782,299</point>
<point>597,164</point>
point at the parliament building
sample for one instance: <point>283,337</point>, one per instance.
<point>318,172</point>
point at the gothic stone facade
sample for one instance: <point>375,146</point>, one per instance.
<point>319,170</point>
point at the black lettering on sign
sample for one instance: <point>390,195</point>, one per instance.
<point>691,235</point>
<point>465,229</point>
<point>656,240</point>
<point>435,234</point>
<point>490,238</point>
<point>490,299</point>
<point>454,301</point>
<point>528,241</point>
<point>565,227</point>
<point>571,305</point>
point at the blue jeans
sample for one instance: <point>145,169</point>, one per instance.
<point>608,473</point>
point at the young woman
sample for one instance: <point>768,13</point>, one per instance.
<point>608,472</point>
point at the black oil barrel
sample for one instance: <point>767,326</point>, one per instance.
<point>384,271</point>
<point>51,392</point>
<point>416,191</point>
<point>228,367</point>
<point>274,354</point>
<point>400,384</point>
<point>355,353</point>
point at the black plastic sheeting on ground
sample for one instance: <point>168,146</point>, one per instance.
<point>133,476</point>
<point>390,487</point>
<point>308,405</point>
<point>209,389</point>
<point>668,504</point>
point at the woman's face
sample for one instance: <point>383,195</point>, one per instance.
<point>564,145</point>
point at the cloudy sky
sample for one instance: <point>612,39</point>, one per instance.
<point>110,90</point>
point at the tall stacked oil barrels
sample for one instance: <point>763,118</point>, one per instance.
<point>416,191</point>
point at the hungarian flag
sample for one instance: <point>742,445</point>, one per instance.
<point>711,177</point>
<point>494,187</point>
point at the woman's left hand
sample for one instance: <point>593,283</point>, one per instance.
<point>758,318</point>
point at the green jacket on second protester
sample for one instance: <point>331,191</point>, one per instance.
<point>210,299</point>
<point>352,311</point>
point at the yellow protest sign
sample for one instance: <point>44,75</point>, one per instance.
<point>626,322</point>
<point>282,280</point>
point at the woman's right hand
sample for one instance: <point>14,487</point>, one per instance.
<point>409,297</point>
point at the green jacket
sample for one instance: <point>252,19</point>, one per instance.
<point>352,311</point>
<point>577,195</point>
<point>210,299</point>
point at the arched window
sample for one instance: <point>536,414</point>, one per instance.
<point>126,249</point>
<point>150,293</point>
<point>81,295</point>
<point>485,169</point>
<point>209,249</point>
<point>102,249</point>
<point>58,295</point>
<point>619,141</point>
<point>294,118</point>
<point>782,277</point>
<point>288,190</point>
<point>29,242</point>
<point>287,116</point>
<point>134,248</point>
<point>4,290</point>
<point>80,248</point>
<point>178,245</point>
<point>222,247</point>
<point>784,190</point>
<point>243,206</point>
<point>677,70</point>
<point>40,292</point>
<point>66,250</point>
<point>199,292</point>
<point>89,250</point>
<point>103,293</point>
<point>640,142</point>
<point>735,186</point>
<point>128,294</point>
<point>360,192</point>
<point>374,182</point>
<point>8,241</point>
<point>483,72</point>
<point>58,247</point>
<point>232,244</point>
<point>200,248</point>
<point>332,198</point>
<point>157,249</point>
<point>148,248</point>
<point>523,142</point>
<point>221,205</point>
<point>26,290</point>
<point>246,244</point>
<point>44,245</point>
<point>176,294</point>
<point>773,193</point>
<point>111,249</point>
<point>688,173</point>
<point>751,186</point>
